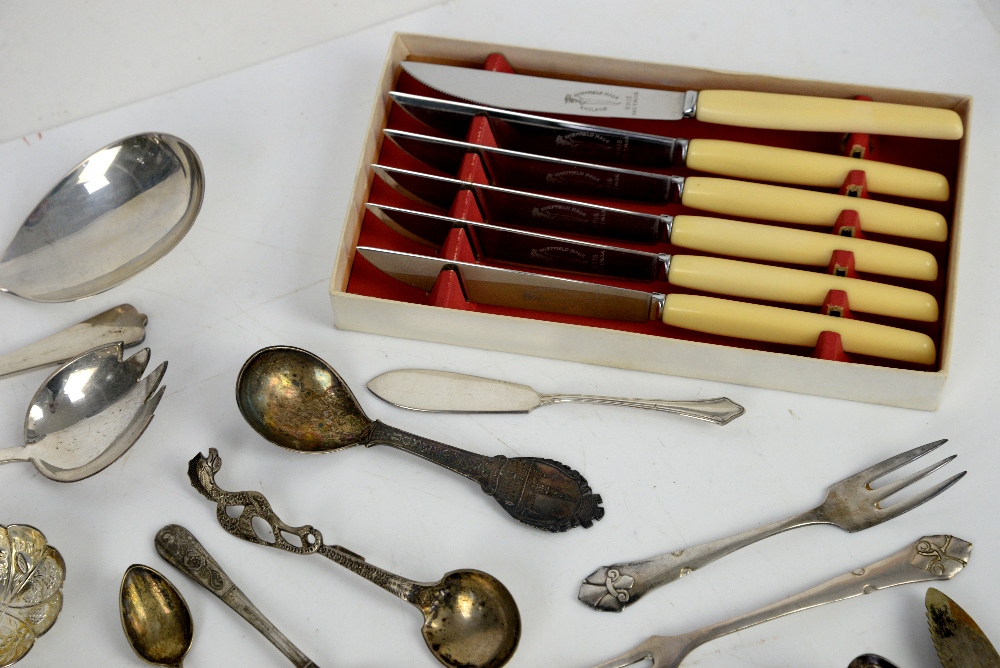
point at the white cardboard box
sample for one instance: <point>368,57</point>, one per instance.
<point>592,344</point>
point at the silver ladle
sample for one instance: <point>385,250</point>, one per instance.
<point>470,618</point>
<point>112,216</point>
<point>88,414</point>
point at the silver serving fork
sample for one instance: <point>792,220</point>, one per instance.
<point>930,558</point>
<point>851,504</point>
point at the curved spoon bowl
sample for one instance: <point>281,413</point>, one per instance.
<point>295,400</point>
<point>82,388</point>
<point>155,617</point>
<point>470,619</point>
<point>112,216</point>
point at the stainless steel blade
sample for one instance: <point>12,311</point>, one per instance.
<point>514,169</point>
<point>555,96</point>
<point>518,289</point>
<point>547,136</point>
<point>517,208</point>
<point>499,244</point>
<point>443,391</point>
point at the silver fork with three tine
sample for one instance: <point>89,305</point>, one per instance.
<point>851,504</point>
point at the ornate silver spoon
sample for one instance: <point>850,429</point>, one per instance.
<point>470,619</point>
<point>296,400</point>
<point>178,546</point>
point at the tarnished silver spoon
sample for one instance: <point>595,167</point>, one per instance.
<point>179,547</point>
<point>112,216</point>
<point>155,617</point>
<point>470,618</point>
<point>88,414</point>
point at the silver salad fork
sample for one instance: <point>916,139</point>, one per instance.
<point>851,504</point>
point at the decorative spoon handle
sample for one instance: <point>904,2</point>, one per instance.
<point>176,544</point>
<point>307,540</point>
<point>929,558</point>
<point>121,323</point>
<point>717,411</point>
<point>542,493</point>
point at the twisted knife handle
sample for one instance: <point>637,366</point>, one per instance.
<point>541,493</point>
<point>717,411</point>
<point>179,547</point>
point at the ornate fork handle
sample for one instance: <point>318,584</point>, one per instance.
<point>298,540</point>
<point>542,493</point>
<point>717,411</point>
<point>929,558</point>
<point>613,588</point>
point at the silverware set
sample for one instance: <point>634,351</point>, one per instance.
<point>511,233</point>
<point>132,201</point>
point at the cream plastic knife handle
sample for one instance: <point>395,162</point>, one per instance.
<point>795,286</point>
<point>775,111</point>
<point>788,165</point>
<point>808,207</point>
<point>796,328</point>
<point>781,244</point>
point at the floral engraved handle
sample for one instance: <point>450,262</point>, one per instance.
<point>541,493</point>
<point>176,544</point>
<point>202,470</point>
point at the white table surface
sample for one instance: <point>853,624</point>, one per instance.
<point>280,143</point>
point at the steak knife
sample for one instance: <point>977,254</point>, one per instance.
<point>959,641</point>
<point>505,287</point>
<point>709,274</point>
<point>513,169</point>
<point>749,109</point>
<point>578,141</point>
<point>515,208</point>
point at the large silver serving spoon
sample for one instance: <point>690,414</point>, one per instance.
<point>470,618</point>
<point>155,617</point>
<point>88,414</point>
<point>113,215</point>
<point>121,323</point>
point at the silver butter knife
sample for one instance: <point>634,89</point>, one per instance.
<point>447,392</point>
